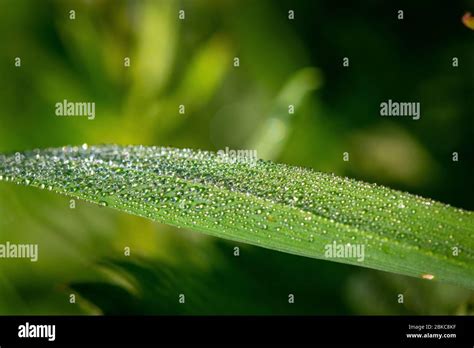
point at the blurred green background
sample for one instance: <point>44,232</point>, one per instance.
<point>191,62</point>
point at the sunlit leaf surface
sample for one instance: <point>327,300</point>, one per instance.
<point>271,205</point>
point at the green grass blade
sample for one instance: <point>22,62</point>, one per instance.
<point>271,205</point>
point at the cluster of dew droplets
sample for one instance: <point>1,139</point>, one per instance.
<point>275,201</point>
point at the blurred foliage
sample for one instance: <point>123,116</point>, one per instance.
<point>190,62</point>
<point>235,285</point>
<point>229,285</point>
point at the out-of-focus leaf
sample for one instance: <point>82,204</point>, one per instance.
<point>228,285</point>
<point>271,137</point>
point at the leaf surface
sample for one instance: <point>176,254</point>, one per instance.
<point>271,205</point>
